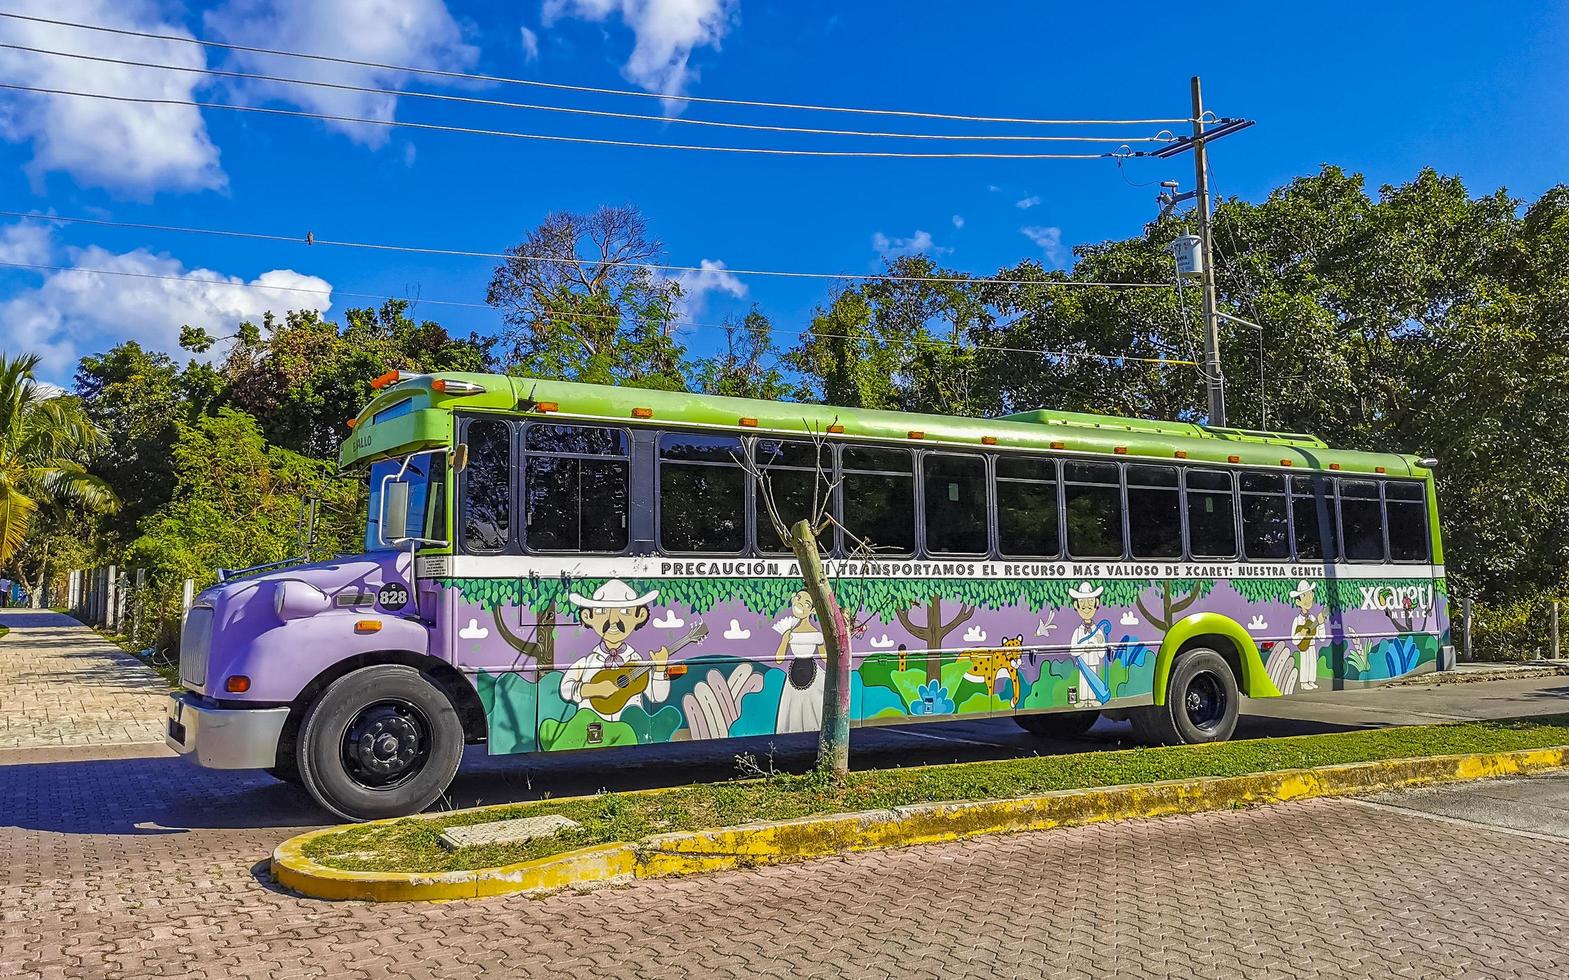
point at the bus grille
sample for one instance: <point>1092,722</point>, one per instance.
<point>195,645</point>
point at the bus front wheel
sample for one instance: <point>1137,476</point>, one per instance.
<point>379,742</point>
<point>1202,701</point>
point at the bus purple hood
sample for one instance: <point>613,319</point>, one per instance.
<point>281,629</point>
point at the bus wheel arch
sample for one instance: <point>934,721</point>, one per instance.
<point>465,699</point>
<point>1223,635</point>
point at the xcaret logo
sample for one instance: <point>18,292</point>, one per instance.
<point>1397,597</point>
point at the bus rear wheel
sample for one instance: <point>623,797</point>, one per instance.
<point>1202,701</point>
<point>379,742</point>
<point>1058,724</point>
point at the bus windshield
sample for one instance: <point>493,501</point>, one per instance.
<point>424,519</point>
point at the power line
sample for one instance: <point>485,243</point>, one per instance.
<point>1110,358</point>
<point>511,134</point>
<point>311,239</point>
<point>501,103</point>
<point>560,86</point>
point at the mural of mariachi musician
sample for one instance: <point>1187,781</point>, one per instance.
<point>613,675</point>
<point>1308,633</point>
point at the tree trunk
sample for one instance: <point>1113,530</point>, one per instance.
<point>833,744</point>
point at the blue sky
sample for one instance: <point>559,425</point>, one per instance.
<point>1379,88</point>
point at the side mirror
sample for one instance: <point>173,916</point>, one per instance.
<point>460,457</point>
<point>394,511</point>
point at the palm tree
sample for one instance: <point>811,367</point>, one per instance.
<point>44,438</point>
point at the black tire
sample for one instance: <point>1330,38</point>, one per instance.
<point>1058,724</point>
<point>1202,701</point>
<point>379,742</point>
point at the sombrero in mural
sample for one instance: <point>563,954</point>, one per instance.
<point>1302,589</point>
<point>614,594</point>
<point>1085,590</point>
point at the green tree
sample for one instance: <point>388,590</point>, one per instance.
<point>45,439</point>
<point>747,366</point>
<point>235,503</point>
<point>581,304</point>
<point>304,377</point>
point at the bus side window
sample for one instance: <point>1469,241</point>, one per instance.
<point>1027,507</point>
<point>878,494</point>
<point>955,504</point>
<point>791,469</point>
<point>1313,518</point>
<point>1212,515</point>
<point>487,486</point>
<point>1361,521</point>
<point>702,494</point>
<point>1154,512</point>
<point>1266,534</point>
<point>1092,501</point>
<point>1405,509</point>
<point>575,495</point>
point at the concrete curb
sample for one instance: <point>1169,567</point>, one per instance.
<point>694,852</point>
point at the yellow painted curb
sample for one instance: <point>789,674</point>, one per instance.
<point>694,852</point>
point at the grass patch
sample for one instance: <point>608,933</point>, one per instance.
<point>412,844</point>
<point>3,631</point>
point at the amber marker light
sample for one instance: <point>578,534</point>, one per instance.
<point>449,386</point>
<point>1380,469</point>
<point>368,626</point>
<point>988,440</point>
<point>547,407</point>
<point>1059,445</point>
<point>642,413</point>
<point>1285,462</point>
<point>750,423</point>
<point>1121,450</point>
<point>1181,454</point>
<point>383,380</point>
<point>238,684</point>
<point>1233,459</point>
<point>675,670</point>
<point>917,434</point>
<point>836,429</point>
<point>1334,466</point>
<point>351,423</point>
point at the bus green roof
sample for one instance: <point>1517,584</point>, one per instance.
<point>386,427</point>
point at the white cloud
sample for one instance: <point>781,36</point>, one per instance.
<point>473,631</point>
<point>920,243</point>
<point>666,32</point>
<point>25,242</point>
<point>881,642</point>
<point>1027,202</point>
<point>669,621</point>
<point>1048,240</point>
<point>530,43</point>
<point>1128,619</point>
<point>975,635</point>
<point>735,632</point>
<point>138,149</point>
<point>71,313</point>
<point>958,221</point>
<point>695,286</point>
<point>415,33</point>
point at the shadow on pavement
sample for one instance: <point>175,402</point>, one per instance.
<point>160,796</point>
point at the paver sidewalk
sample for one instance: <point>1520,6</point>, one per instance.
<point>63,685</point>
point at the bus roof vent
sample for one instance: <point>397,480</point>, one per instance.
<point>1085,420</point>
<point>1304,439</point>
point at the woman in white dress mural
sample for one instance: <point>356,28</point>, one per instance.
<point>801,702</point>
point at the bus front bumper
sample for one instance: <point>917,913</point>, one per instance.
<point>224,738</point>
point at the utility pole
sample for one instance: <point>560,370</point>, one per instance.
<point>1213,378</point>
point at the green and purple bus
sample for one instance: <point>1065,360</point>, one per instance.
<point>554,566</point>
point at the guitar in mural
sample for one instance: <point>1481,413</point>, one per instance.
<point>632,679</point>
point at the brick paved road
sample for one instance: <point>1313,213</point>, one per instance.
<point>145,867</point>
<point>62,685</point>
<point>123,862</point>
